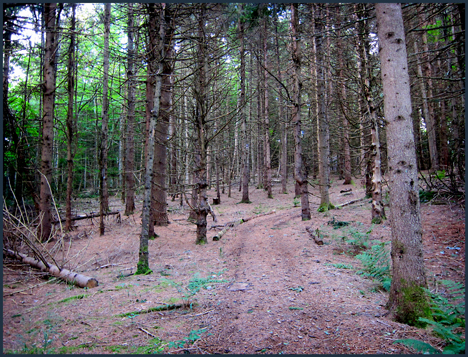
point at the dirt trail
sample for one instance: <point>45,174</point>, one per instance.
<point>277,290</point>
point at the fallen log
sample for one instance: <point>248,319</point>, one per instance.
<point>228,226</point>
<point>79,280</point>
<point>351,202</point>
<point>236,223</point>
<point>78,218</point>
<point>316,238</point>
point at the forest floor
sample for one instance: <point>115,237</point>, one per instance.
<point>265,287</point>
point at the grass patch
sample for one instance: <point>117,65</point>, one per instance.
<point>76,297</point>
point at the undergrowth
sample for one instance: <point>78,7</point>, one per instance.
<point>449,320</point>
<point>376,264</point>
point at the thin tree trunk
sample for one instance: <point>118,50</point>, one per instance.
<point>45,227</point>
<point>143,261</point>
<point>70,121</point>
<point>345,139</point>
<point>322,119</point>
<point>245,146</point>
<point>159,193</point>
<point>202,207</point>
<point>129,142</point>
<point>428,106</point>
<point>282,119</point>
<point>407,299</point>
<point>299,175</point>
<point>266,122</point>
<point>104,195</point>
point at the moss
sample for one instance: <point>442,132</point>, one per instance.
<point>413,304</point>
<point>377,220</point>
<point>324,207</point>
<point>143,268</point>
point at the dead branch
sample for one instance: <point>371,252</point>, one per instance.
<point>351,202</point>
<point>232,224</point>
<point>65,274</point>
<point>316,238</point>
<point>78,218</point>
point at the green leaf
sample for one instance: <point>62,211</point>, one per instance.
<point>418,345</point>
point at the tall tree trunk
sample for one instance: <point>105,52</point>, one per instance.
<point>407,296</point>
<point>129,142</point>
<point>159,191</point>
<point>345,139</point>
<point>429,117</point>
<point>146,223</point>
<point>299,171</point>
<point>45,227</point>
<point>245,146</point>
<point>322,118</point>
<point>373,170</point>
<point>282,119</point>
<point>104,195</point>
<point>202,206</point>
<point>266,115</point>
<point>70,121</point>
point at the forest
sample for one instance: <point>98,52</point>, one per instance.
<point>326,142</point>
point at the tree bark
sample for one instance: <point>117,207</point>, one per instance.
<point>159,190</point>
<point>104,194</point>
<point>77,279</point>
<point>266,115</point>
<point>130,143</point>
<point>345,139</point>
<point>70,121</point>
<point>429,117</point>
<point>322,118</point>
<point>48,122</point>
<point>202,207</point>
<point>407,298</point>
<point>245,145</point>
<point>299,170</point>
<point>146,222</point>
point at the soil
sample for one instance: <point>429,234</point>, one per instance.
<point>265,287</point>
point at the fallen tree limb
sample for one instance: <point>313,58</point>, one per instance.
<point>228,226</point>
<point>78,218</point>
<point>156,308</point>
<point>351,202</point>
<point>79,280</point>
<point>236,223</point>
<point>258,215</point>
<point>316,238</point>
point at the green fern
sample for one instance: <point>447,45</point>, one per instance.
<point>376,263</point>
<point>447,317</point>
<point>418,346</point>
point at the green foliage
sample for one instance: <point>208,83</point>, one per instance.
<point>76,297</point>
<point>426,196</point>
<point>341,266</point>
<point>447,317</point>
<point>376,264</point>
<point>155,347</point>
<point>194,285</point>
<point>337,224</point>
<point>296,202</point>
<point>358,238</point>
<point>193,336</point>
